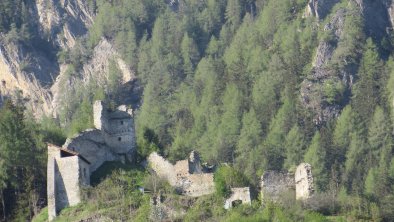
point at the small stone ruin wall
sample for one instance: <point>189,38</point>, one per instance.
<point>242,194</point>
<point>162,168</point>
<point>196,185</point>
<point>91,145</point>
<point>304,181</point>
<point>179,176</point>
<point>274,184</point>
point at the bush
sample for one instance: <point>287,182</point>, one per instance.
<point>227,177</point>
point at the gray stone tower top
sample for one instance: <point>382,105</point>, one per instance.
<point>117,126</point>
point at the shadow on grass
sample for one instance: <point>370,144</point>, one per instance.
<point>108,168</point>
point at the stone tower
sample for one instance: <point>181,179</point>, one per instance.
<point>66,171</point>
<point>117,127</point>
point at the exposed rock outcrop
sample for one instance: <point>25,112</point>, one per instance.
<point>319,8</point>
<point>63,21</point>
<point>26,72</point>
<point>312,89</point>
<point>94,72</point>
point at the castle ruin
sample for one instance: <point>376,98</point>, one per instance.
<point>70,166</point>
<point>66,171</point>
<point>188,176</point>
<point>275,184</point>
<point>239,195</point>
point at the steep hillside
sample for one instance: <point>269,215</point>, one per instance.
<point>257,84</point>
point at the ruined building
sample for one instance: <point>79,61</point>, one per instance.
<point>188,176</point>
<point>66,171</point>
<point>276,184</point>
<point>70,166</point>
<point>239,195</point>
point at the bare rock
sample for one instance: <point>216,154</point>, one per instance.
<point>319,8</point>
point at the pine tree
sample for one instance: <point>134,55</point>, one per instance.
<point>294,144</point>
<point>248,142</point>
<point>379,136</point>
<point>366,92</point>
<point>230,124</point>
<point>342,133</point>
<point>190,54</point>
<point>315,156</point>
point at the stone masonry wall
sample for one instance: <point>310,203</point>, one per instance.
<point>163,168</point>
<point>274,184</point>
<point>51,184</point>
<point>67,182</point>
<point>91,145</point>
<point>190,184</point>
<point>196,185</point>
<point>242,194</point>
<point>116,127</point>
<point>304,181</point>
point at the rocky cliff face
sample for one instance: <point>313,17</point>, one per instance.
<point>63,21</point>
<point>95,71</point>
<point>28,71</point>
<point>327,77</point>
<point>35,75</point>
<point>319,8</point>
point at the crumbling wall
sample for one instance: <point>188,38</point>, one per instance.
<point>67,182</point>
<point>241,194</point>
<point>181,168</point>
<point>195,163</point>
<point>51,183</point>
<point>98,114</point>
<point>274,184</point>
<point>116,127</point>
<point>66,171</point>
<point>196,185</point>
<point>91,145</point>
<point>178,175</point>
<point>304,181</point>
<point>162,167</point>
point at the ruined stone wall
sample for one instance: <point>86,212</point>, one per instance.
<point>51,186</point>
<point>117,127</point>
<point>304,181</point>
<point>91,145</point>
<point>121,143</point>
<point>196,185</point>
<point>179,177</point>
<point>98,114</point>
<point>195,163</point>
<point>67,182</point>
<point>84,172</point>
<point>163,168</point>
<point>242,194</point>
<point>274,184</point>
<point>181,168</point>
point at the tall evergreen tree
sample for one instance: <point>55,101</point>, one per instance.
<point>295,145</point>
<point>315,156</point>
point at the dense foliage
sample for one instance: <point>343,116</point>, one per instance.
<point>22,162</point>
<point>223,77</point>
